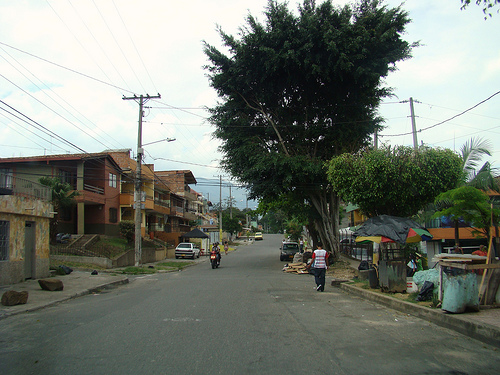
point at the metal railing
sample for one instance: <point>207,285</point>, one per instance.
<point>349,247</point>
<point>11,185</point>
<point>93,189</point>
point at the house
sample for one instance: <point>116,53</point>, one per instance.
<point>25,214</point>
<point>95,176</point>
<point>105,183</point>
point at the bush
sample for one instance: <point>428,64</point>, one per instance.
<point>127,230</point>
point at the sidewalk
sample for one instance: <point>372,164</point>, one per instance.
<point>76,284</point>
<point>483,325</point>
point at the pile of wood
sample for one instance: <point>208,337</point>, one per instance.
<point>299,268</point>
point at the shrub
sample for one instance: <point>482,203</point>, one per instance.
<point>127,230</point>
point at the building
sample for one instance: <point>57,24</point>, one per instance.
<point>96,177</point>
<point>25,214</point>
<point>105,183</point>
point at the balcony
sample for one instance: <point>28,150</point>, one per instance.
<point>91,194</point>
<point>177,211</point>
<point>10,185</point>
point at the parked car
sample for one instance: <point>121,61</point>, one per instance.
<point>288,250</point>
<point>187,250</point>
<point>258,236</point>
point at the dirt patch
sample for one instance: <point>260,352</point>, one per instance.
<point>341,269</point>
<point>407,297</point>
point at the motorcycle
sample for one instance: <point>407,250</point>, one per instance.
<point>214,258</point>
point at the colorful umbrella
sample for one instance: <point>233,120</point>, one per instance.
<point>385,228</point>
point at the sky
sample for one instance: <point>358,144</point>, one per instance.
<point>65,67</point>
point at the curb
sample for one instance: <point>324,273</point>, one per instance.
<point>479,331</point>
<point>66,298</point>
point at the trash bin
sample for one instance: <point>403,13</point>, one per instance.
<point>392,275</point>
<point>372,278</point>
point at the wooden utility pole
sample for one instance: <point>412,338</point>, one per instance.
<point>138,183</point>
<point>220,208</point>
<point>413,125</point>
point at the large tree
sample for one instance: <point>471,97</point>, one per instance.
<point>396,181</point>
<point>299,89</point>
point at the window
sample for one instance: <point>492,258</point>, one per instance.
<point>4,240</point>
<point>65,177</point>
<point>113,215</point>
<point>112,180</point>
<point>6,178</point>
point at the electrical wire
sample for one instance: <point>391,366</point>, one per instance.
<point>444,121</point>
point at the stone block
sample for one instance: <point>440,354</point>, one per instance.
<point>52,285</point>
<point>12,298</point>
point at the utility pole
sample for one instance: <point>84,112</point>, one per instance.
<point>413,125</point>
<point>230,203</point>
<point>220,208</point>
<point>138,183</point>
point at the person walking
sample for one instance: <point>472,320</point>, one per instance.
<point>319,264</point>
<point>226,247</point>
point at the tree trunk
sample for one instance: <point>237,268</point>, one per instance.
<point>457,239</point>
<point>327,203</point>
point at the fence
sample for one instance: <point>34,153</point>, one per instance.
<point>11,185</point>
<point>96,250</point>
<point>349,247</point>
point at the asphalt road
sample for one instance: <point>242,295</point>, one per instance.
<point>246,317</point>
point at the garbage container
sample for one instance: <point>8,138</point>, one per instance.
<point>372,278</point>
<point>392,275</point>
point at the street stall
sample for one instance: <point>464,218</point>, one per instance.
<point>392,233</point>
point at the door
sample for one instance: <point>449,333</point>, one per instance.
<point>29,250</point>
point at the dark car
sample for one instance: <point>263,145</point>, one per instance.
<point>288,250</point>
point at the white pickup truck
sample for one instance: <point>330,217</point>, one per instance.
<point>187,250</point>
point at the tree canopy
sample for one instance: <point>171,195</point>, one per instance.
<point>395,181</point>
<point>299,89</point>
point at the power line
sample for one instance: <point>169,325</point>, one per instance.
<point>444,121</point>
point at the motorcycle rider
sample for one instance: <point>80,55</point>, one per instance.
<point>216,248</point>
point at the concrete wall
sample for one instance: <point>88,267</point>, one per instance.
<point>17,211</point>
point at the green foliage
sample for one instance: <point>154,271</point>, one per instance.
<point>472,153</point>
<point>299,89</point>
<point>127,230</point>
<point>172,265</point>
<point>470,204</point>
<point>62,193</point>
<point>63,196</point>
<point>231,226</point>
<point>486,4</point>
<point>132,270</point>
<point>395,181</point>
<point>294,229</point>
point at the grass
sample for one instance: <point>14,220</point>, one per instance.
<point>137,270</point>
<point>164,266</point>
<point>407,297</point>
<point>118,242</point>
<point>173,265</point>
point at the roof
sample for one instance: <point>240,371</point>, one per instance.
<point>63,157</point>
<point>195,233</point>
<point>188,175</point>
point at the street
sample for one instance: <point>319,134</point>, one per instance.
<point>246,317</point>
